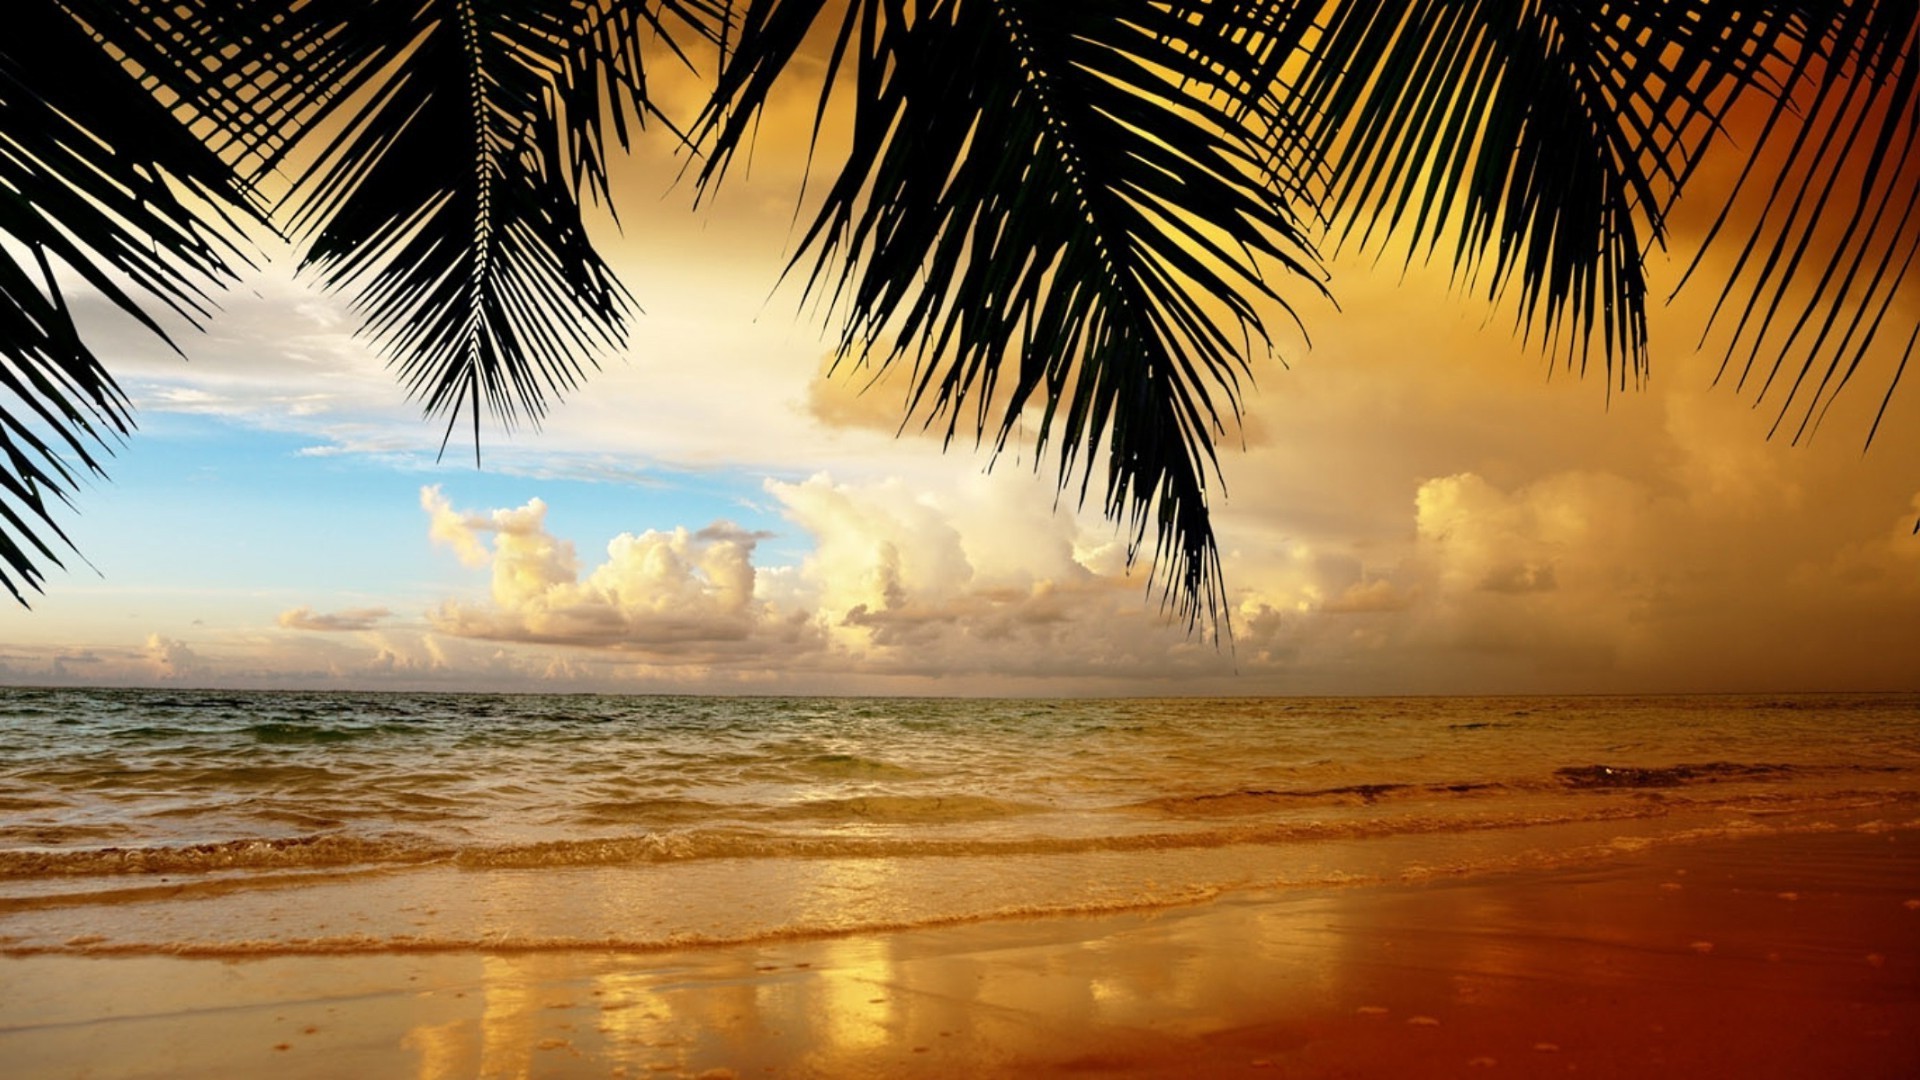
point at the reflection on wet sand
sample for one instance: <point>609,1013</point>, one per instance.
<point>1533,972</point>
<point>1813,968</point>
<point>445,1049</point>
<point>856,1007</point>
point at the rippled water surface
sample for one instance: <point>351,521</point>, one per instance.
<point>931,809</point>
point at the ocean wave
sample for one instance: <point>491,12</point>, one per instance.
<point>279,733</point>
<point>1136,894</point>
<point>503,943</point>
<point>180,782</point>
<point>1587,777</point>
<point>51,833</point>
<point>250,853</point>
<point>1258,800</point>
<point>902,809</point>
<point>1579,778</point>
<point>854,766</point>
<point>152,731</point>
<point>618,811</point>
<point>337,850</point>
<point>16,803</point>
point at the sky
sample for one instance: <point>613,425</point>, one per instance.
<point>1416,501</point>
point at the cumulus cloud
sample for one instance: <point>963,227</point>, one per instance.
<point>984,578</point>
<point>1593,577</point>
<point>1539,570</point>
<point>170,658</point>
<point>1490,540</point>
<point>305,618</point>
<point>1570,579</point>
<point>463,532</point>
<point>985,581</point>
<point>1398,525</point>
<point>664,591</point>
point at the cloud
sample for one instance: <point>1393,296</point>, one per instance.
<point>1600,579</point>
<point>1545,571</point>
<point>1416,513</point>
<point>986,583</point>
<point>170,658</point>
<point>1370,597</point>
<point>985,578</point>
<point>853,396</point>
<point>1572,579</point>
<point>58,671</point>
<point>305,618</point>
<point>1568,580</point>
<point>463,532</point>
<point>676,591</point>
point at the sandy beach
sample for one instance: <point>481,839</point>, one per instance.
<point>1787,956</point>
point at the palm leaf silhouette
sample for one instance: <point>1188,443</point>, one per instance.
<point>1844,211</point>
<point>89,163</point>
<point>1549,140</point>
<point>1030,212</point>
<point>1072,211</point>
<point>479,280</point>
<point>1541,142</point>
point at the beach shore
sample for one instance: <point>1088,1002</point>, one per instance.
<point>1770,956</point>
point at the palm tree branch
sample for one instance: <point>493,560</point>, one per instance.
<point>480,283</point>
<point>97,178</point>
<point>1033,212</point>
<point>1841,206</point>
<point>602,80</point>
<point>1548,136</point>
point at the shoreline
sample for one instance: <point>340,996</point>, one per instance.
<point>1795,954</point>
<point>641,909</point>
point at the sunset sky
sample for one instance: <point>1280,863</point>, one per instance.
<point>1418,508</point>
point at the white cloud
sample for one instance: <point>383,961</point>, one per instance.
<point>1558,580</point>
<point>974,585</point>
<point>674,592</point>
<point>983,579</point>
<point>170,658</point>
<point>1371,596</point>
<point>305,618</point>
<point>462,532</point>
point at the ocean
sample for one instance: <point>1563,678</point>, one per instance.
<point>138,822</point>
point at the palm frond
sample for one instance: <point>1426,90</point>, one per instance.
<point>95,176</point>
<point>603,79</point>
<point>222,66</point>
<point>1547,138</point>
<point>1838,163</point>
<point>449,197</point>
<point>1047,203</point>
<point>440,148</point>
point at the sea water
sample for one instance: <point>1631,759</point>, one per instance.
<point>222,823</point>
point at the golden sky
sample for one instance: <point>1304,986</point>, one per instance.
<point>1422,504</point>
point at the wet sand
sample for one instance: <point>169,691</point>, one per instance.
<point>1781,956</point>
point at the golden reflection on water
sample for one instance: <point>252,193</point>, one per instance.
<point>508,1026</point>
<point>1384,978</point>
<point>933,1003</point>
<point>628,1009</point>
<point>856,1006</point>
<point>852,1006</point>
<point>928,1004</point>
<point>445,1049</point>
